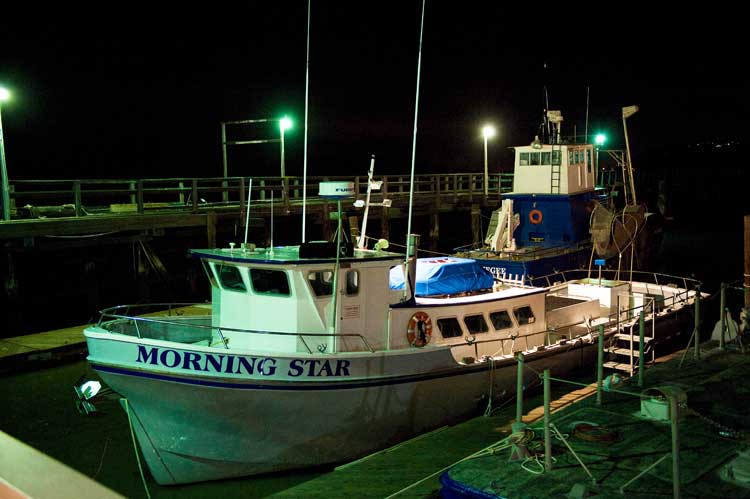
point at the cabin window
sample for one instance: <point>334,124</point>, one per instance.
<point>210,274</point>
<point>546,158</point>
<point>524,159</point>
<point>230,277</point>
<point>524,315</point>
<point>556,157</point>
<point>588,159</point>
<point>321,282</point>
<point>352,282</point>
<point>476,324</point>
<point>449,328</point>
<point>501,320</point>
<point>268,281</point>
<point>534,158</point>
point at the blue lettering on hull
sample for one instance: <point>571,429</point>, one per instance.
<point>231,364</point>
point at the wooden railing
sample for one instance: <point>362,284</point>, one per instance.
<point>31,198</point>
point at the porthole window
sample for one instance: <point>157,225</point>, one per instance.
<point>476,324</point>
<point>352,282</point>
<point>524,315</point>
<point>501,320</point>
<point>449,328</point>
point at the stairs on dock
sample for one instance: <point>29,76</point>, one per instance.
<point>625,351</point>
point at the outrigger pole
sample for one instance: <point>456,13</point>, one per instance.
<point>409,246</point>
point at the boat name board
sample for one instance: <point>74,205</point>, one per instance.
<point>235,364</point>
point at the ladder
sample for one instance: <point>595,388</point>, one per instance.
<point>555,169</point>
<point>625,350</point>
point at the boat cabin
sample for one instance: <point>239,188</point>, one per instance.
<point>289,299</point>
<point>554,169</point>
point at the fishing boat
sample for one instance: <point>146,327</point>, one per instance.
<point>560,214</point>
<point>322,353</point>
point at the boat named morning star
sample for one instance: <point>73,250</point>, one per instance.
<point>307,357</point>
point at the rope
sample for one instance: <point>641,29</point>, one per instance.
<point>135,449</point>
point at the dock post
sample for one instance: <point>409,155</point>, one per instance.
<point>600,366</point>
<point>547,432</point>
<point>519,389</point>
<point>641,330</point>
<point>674,408</point>
<point>697,352</point>
<point>723,314</point>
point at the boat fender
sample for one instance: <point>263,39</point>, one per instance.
<point>535,217</point>
<point>419,331</point>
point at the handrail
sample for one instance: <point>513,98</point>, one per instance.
<point>107,313</point>
<point>91,194</point>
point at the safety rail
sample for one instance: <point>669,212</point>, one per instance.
<point>109,316</point>
<point>96,196</point>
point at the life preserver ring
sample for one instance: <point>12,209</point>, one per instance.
<point>419,331</point>
<point>535,217</point>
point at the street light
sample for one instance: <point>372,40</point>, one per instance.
<point>600,139</point>
<point>4,96</point>
<point>488,131</point>
<point>284,124</point>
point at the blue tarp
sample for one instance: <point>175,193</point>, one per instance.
<point>445,276</point>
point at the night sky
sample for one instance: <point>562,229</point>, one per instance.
<point>132,93</point>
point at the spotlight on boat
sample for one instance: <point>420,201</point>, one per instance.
<point>85,392</point>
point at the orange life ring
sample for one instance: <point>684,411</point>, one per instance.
<point>419,331</point>
<point>535,217</point>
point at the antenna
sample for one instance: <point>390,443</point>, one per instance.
<point>247,211</point>
<point>304,162</point>
<point>270,250</point>
<point>414,150</point>
<point>586,131</point>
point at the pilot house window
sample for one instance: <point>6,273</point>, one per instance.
<point>269,281</point>
<point>230,278</point>
<point>321,282</point>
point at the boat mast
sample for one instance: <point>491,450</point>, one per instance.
<point>409,246</point>
<point>361,242</point>
<point>627,112</point>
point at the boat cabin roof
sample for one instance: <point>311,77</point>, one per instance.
<point>286,255</point>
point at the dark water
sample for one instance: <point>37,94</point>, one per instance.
<point>39,409</point>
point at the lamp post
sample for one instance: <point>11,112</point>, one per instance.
<point>488,131</point>
<point>284,124</point>
<point>4,96</point>
<point>600,139</point>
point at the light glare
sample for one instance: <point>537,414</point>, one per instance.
<point>488,131</point>
<point>4,94</point>
<point>285,123</point>
<point>600,139</point>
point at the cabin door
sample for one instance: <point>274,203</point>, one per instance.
<point>351,310</point>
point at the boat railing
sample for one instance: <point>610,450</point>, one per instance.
<point>658,280</point>
<point>148,321</point>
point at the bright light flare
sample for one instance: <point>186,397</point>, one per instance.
<point>600,139</point>
<point>285,123</point>
<point>488,131</point>
<point>4,94</point>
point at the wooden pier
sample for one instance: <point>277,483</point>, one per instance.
<point>78,207</point>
